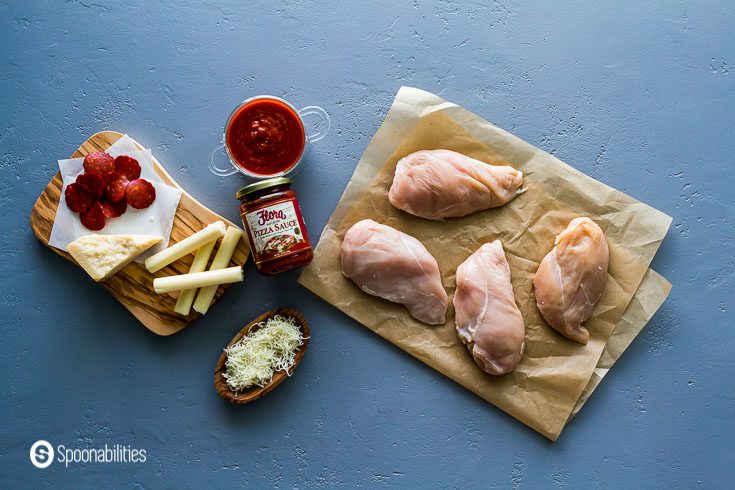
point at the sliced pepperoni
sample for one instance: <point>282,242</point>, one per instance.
<point>140,194</point>
<point>93,218</point>
<point>93,182</point>
<point>128,166</point>
<point>113,209</point>
<point>115,187</point>
<point>78,197</point>
<point>99,162</point>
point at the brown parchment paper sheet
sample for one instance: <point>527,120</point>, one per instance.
<point>553,373</point>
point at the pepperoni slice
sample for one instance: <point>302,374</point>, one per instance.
<point>115,187</point>
<point>78,197</point>
<point>93,182</point>
<point>128,166</point>
<point>140,194</point>
<point>93,218</point>
<point>113,209</point>
<point>99,162</point>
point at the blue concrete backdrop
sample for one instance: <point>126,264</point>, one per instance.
<point>640,95</point>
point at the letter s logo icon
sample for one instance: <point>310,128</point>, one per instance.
<point>42,454</point>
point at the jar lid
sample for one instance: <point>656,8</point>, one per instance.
<point>263,184</point>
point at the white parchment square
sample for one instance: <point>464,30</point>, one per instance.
<point>157,219</point>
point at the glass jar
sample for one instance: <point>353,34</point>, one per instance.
<point>272,217</point>
<point>265,136</point>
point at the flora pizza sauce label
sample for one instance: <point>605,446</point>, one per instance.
<point>276,230</point>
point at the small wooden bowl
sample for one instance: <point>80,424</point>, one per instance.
<point>255,392</point>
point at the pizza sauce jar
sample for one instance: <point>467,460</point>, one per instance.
<point>272,217</point>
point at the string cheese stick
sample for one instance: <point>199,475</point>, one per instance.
<point>186,298</point>
<point>160,260</point>
<point>197,280</point>
<point>221,260</point>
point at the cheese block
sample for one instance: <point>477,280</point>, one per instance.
<point>103,255</point>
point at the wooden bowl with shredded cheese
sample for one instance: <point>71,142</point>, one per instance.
<point>230,373</point>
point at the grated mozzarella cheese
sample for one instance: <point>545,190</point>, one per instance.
<point>254,359</point>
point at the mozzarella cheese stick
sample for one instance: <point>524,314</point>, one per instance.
<point>221,260</point>
<point>186,298</point>
<point>197,280</point>
<point>157,262</point>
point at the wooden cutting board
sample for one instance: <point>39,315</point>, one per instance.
<point>133,285</point>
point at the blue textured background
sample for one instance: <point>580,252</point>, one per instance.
<point>639,95</point>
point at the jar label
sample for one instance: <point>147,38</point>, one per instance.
<point>275,230</point>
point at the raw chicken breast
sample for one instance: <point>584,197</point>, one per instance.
<point>384,262</point>
<point>487,318</point>
<point>571,277</point>
<point>439,184</point>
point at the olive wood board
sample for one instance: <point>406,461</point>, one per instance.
<point>255,392</point>
<point>133,285</point>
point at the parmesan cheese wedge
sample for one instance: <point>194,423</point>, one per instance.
<point>101,256</point>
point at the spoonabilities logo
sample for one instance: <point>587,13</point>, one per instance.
<point>42,454</point>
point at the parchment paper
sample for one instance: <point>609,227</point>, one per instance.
<point>156,219</point>
<point>554,371</point>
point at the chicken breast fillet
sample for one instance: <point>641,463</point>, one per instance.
<point>387,263</point>
<point>487,319</point>
<point>571,277</point>
<point>439,184</point>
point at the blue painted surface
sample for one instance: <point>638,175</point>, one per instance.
<point>640,95</point>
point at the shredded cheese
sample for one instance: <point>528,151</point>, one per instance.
<point>254,359</point>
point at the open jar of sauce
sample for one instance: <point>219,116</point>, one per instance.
<point>276,230</point>
<point>265,136</point>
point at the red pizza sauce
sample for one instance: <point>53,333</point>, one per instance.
<point>265,137</point>
<point>276,230</point>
